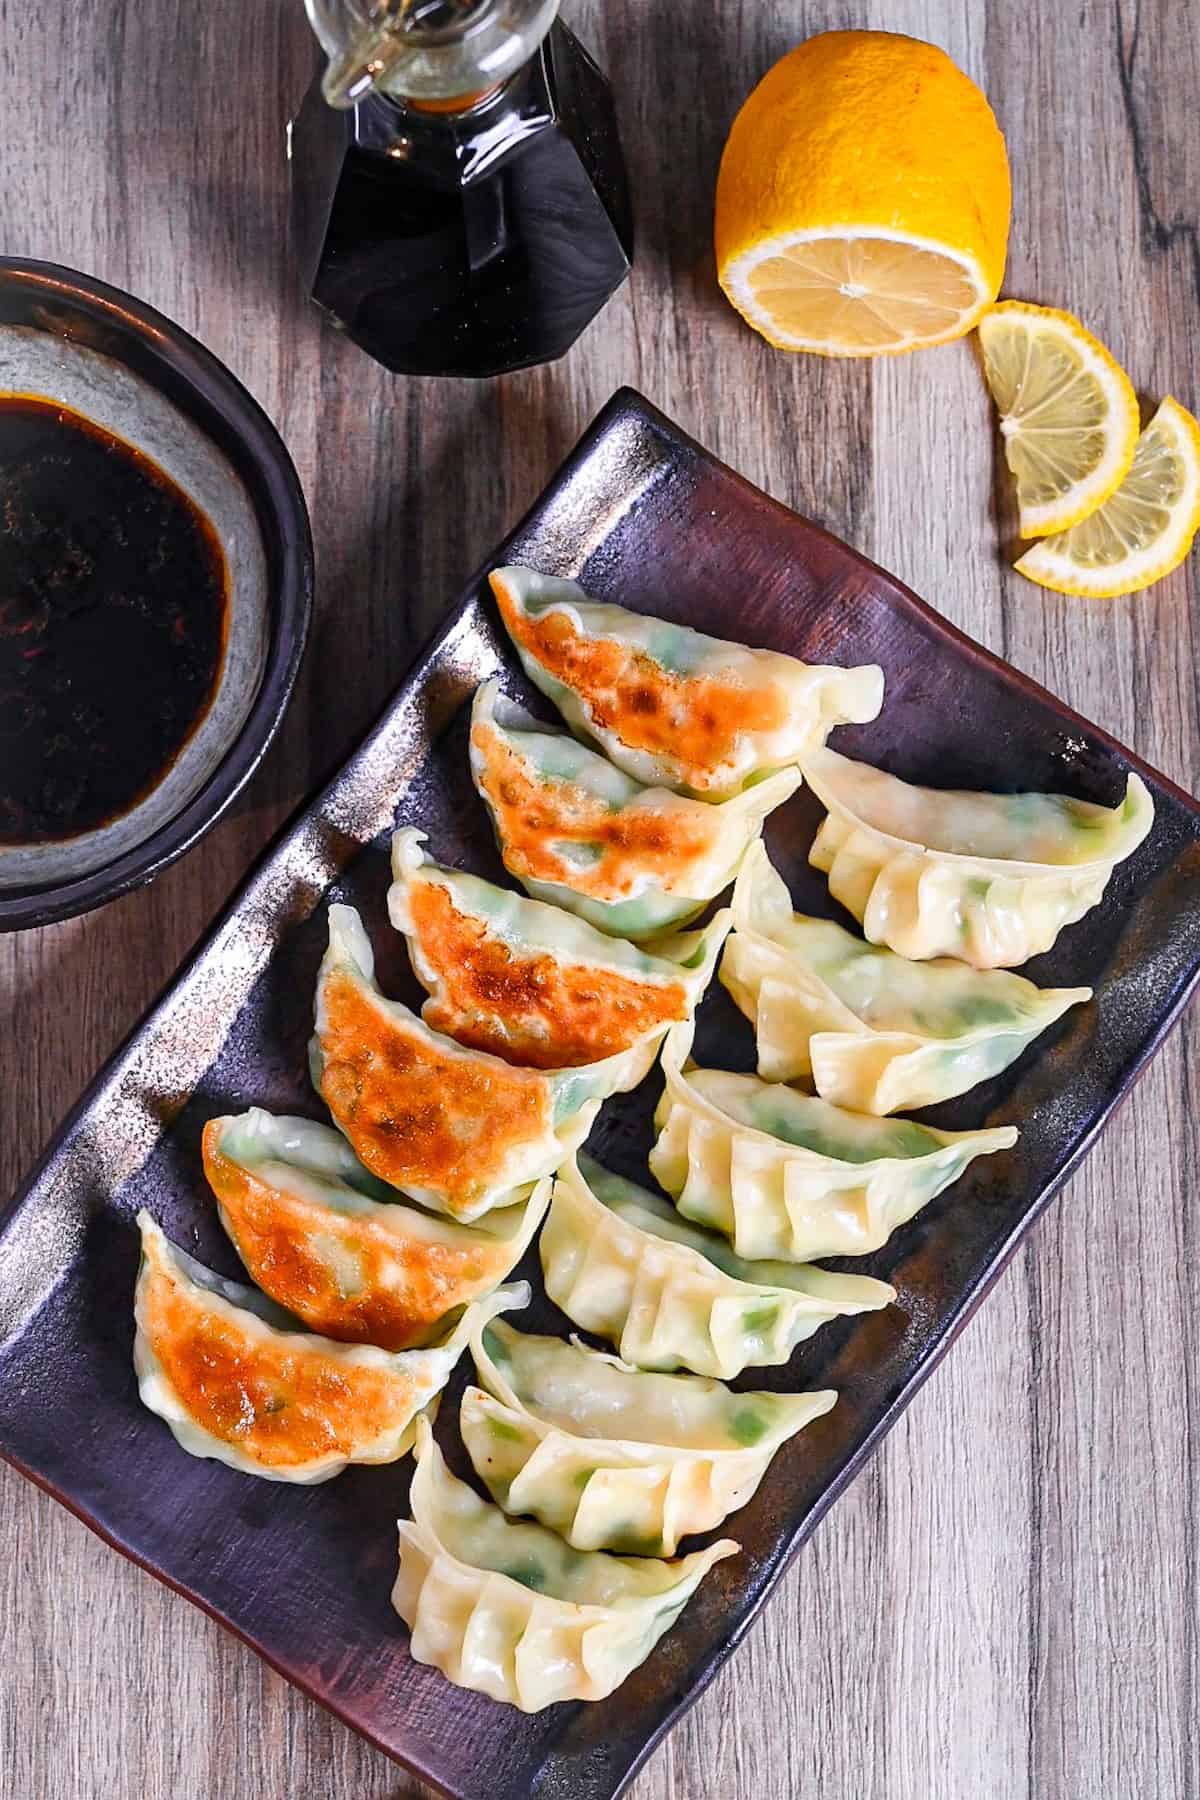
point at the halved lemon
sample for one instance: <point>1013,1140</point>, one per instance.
<point>863,200</point>
<point>1068,413</point>
<point>1143,531</point>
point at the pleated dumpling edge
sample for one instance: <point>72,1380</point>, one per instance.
<point>622,1263</point>
<point>788,1176</point>
<point>988,878</point>
<point>875,1032</point>
<point>613,1457</point>
<point>508,1609</point>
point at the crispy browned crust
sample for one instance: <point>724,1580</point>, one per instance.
<point>530,1007</point>
<point>407,1284</point>
<point>534,817</point>
<point>417,1115</point>
<point>695,720</point>
<point>283,1405</point>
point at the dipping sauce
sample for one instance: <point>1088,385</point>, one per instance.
<point>113,612</point>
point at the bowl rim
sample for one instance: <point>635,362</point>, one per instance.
<point>290,592</point>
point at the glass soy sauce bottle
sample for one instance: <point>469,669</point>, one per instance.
<point>459,198</point>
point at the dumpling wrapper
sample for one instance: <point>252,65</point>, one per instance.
<point>622,1263</point>
<point>237,1380</point>
<point>577,831</point>
<point>667,704</point>
<point>527,981</point>
<point>782,1174</point>
<point>339,1249</point>
<point>453,1128</point>
<point>988,878</point>
<point>612,1457</point>
<point>875,1032</point>
<point>511,1611</point>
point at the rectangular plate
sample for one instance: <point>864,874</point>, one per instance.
<point>303,1574</point>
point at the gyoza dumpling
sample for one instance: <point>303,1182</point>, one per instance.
<point>670,706</point>
<point>579,832</point>
<point>532,984</point>
<point>612,1457</point>
<point>511,1611</point>
<point>988,878</point>
<point>340,1249</point>
<point>455,1129</point>
<point>622,1263</point>
<point>782,1174</point>
<point>877,1033</point>
<point>236,1379</point>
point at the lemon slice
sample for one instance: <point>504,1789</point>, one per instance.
<point>856,294</point>
<point>1068,413</point>
<point>1143,531</point>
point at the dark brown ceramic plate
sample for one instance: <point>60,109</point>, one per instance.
<point>304,1574</point>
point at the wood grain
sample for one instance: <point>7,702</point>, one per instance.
<point>1005,1605</point>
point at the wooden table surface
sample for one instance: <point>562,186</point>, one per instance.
<point>1004,1607</point>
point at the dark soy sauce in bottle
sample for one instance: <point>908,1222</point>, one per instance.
<point>453,223</point>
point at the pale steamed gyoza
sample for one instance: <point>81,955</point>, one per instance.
<point>989,878</point>
<point>667,704</point>
<point>528,982</point>
<point>509,1610</point>
<point>577,831</point>
<point>612,1457</point>
<point>621,1262</point>
<point>236,1379</point>
<point>784,1175</point>
<point>456,1129</point>
<point>876,1033</point>
<point>339,1248</point>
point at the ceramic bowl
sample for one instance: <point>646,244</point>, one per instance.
<point>107,356</point>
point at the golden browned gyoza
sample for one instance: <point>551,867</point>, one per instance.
<point>236,1379</point>
<point>669,705</point>
<point>528,981</point>
<point>576,830</point>
<point>341,1250</point>
<point>457,1129</point>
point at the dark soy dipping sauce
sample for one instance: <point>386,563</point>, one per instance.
<point>112,622</point>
